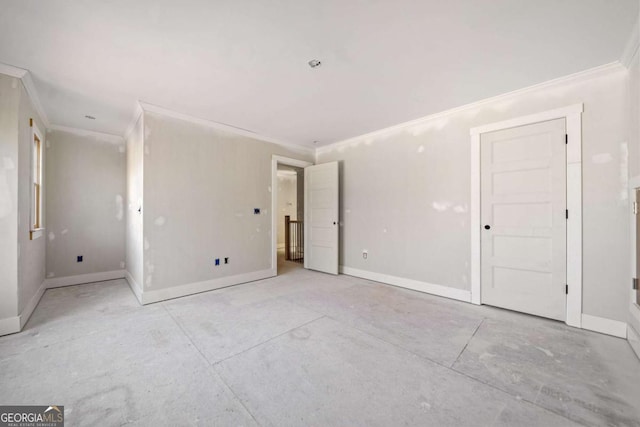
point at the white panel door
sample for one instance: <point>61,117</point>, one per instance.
<point>321,217</point>
<point>524,224</point>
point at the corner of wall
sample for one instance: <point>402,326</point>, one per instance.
<point>632,46</point>
<point>135,287</point>
<point>32,304</point>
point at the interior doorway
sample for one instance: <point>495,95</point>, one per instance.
<point>287,206</point>
<point>290,217</point>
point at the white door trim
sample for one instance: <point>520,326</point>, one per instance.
<point>275,161</point>
<point>634,309</point>
<point>573,117</point>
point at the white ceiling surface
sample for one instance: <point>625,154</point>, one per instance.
<point>244,62</point>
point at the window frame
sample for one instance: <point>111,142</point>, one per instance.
<point>36,150</point>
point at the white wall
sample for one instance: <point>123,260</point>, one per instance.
<point>134,236</point>
<point>633,317</point>
<point>85,177</point>
<point>201,186</point>
<point>405,193</point>
<point>287,201</point>
<point>9,105</point>
<point>31,253</point>
<point>21,259</point>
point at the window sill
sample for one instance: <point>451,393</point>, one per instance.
<point>34,234</point>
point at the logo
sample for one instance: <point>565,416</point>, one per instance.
<point>32,416</point>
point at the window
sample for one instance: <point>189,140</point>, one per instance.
<point>36,183</point>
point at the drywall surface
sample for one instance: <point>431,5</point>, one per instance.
<point>134,237</point>
<point>31,254</point>
<point>85,204</point>
<point>405,195</point>
<point>634,171</point>
<point>634,113</point>
<point>9,105</point>
<point>201,186</point>
<point>287,201</point>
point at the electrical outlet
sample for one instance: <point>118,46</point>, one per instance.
<point>79,258</point>
<point>365,253</point>
<point>217,261</point>
<point>226,260</point>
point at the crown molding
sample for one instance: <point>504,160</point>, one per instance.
<point>12,71</point>
<point>27,82</point>
<point>224,127</point>
<point>572,78</point>
<point>30,87</point>
<point>631,48</point>
<point>107,137</point>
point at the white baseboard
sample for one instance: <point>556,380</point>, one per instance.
<point>152,296</point>
<point>57,282</point>
<point>429,288</point>
<point>32,304</point>
<point>634,316</point>
<point>634,340</point>
<point>604,326</point>
<point>135,288</point>
<point>10,325</point>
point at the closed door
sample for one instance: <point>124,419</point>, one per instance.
<point>523,201</point>
<point>321,217</point>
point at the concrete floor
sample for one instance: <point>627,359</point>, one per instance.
<point>309,349</point>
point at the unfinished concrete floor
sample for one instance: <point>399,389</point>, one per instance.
<point>309,349</point>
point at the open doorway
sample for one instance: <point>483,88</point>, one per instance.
<point>288,214</point>
<point>290,217</point>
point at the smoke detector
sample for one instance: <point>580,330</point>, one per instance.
<point>314,63</point>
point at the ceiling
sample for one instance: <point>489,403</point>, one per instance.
<point>244,62</point>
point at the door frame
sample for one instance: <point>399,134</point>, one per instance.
<point>634,309</point>
<point>573,119</point>
<point>275,161</point>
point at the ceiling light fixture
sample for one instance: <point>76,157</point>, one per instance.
<point>314,63</point>
<point>90,117</point>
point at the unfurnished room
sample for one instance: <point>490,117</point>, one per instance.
<point>320,213</point>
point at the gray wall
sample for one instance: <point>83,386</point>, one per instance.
<point>405,195</point>
<point>85,178</point>
<point>134,245</point>
<point>201,186</point>
<point>9,105</point>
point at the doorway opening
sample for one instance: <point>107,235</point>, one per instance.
<point>290,217</point>
<point>287,228</point>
